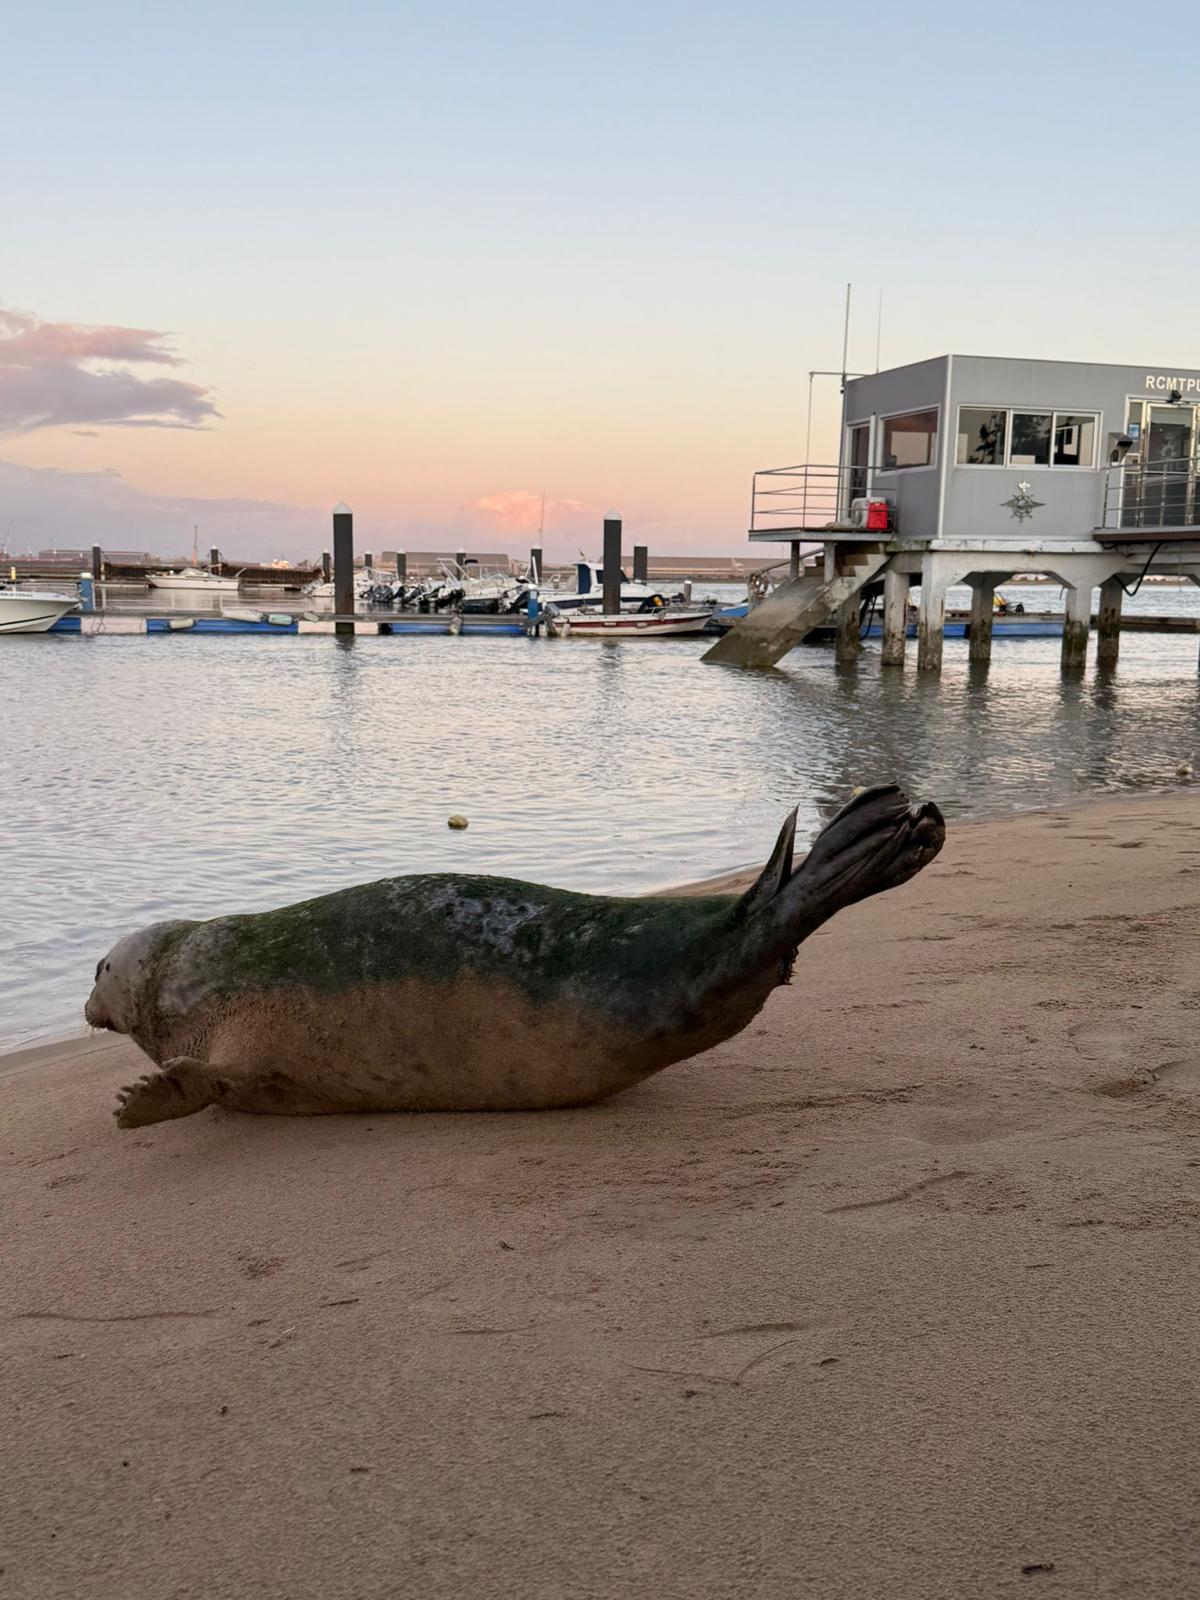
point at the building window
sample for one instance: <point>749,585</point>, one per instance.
<point>982,436</point>
<point>993,438</point>
<point>910,440</point>
<point>1074,440</point>
<point>1031,439</point>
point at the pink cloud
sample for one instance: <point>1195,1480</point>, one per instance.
<point>521,510</point>
<point>48,377</point>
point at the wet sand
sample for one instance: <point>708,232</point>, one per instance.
<point>895,1295</point>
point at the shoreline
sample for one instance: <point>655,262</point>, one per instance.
<point>733,881</point>
<point>893,1284</point>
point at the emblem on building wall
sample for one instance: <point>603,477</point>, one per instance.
<point>1022,504</point>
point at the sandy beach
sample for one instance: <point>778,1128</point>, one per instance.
<point>896,1294</point>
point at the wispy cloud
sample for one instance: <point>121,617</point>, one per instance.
<point>59,373</point>
<point>46,507</point>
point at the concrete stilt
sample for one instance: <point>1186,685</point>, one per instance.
<point>983,593</point>
<point>1076,625</point>
<point>848,641</point>
<point>1108,628</point>
<point>931,619</point>
<point>343,568</point>
<point>895,617</point>
<point>794,562</point>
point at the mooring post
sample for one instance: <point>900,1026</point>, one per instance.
<point>97,563</point>
<point>895,617</point>
<point>983,595</point>
<point>343,568</point>
<point>1076,623</point>
<point>535,564</point>
<point>368,560</point>
<point>401,566</point>
<point>460,560</point>
<point>326,566</point>
<point>612,565</point>
<point>214,558</point>
<point>641,563</point>
<point>1108,627</point>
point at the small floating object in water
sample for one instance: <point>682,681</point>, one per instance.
<point>457,822</point>
<point>180,624</point>
<point>1184,769</point>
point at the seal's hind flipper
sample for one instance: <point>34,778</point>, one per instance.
<point>182,1086</point>
<point>774,875</point>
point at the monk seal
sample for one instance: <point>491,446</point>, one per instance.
<point>457,993</point>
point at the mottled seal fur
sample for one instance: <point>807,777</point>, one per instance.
<point>457,993</point>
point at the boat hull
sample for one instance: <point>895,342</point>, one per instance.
<point>205,585</point>
<point>637,625</point>
<point>32,613</point>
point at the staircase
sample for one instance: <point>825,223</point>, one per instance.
<point>780,622</point>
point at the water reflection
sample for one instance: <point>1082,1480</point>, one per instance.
<point>187,776</point>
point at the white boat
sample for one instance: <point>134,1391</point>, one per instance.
<point>323,589</point>
<point>659,624</point>
<point>32,610</point>
<point>589,589</point>
<point>195,579</point>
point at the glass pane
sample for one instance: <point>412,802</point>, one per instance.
<point>909,441</point>
<point>981,436</point>
<point>1030,439</point>
<point>1074,441</point>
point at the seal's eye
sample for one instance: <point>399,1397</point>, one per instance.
<point>99,970</point>
<point>108,966</point>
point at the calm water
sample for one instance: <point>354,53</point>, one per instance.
<point>185,776</point>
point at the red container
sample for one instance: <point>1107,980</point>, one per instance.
<point>877,515</point>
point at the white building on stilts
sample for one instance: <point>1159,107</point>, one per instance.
<point>971,469</point>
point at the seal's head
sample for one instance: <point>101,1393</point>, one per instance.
<point>117,1000</point>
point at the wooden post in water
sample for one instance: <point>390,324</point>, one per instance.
<point>214,558</point>
<point>326,566</point>
<point>1076,623</point>
<point>1108,625</point>
<point>895,617</point>
<point>641,563</point>
<point>368,560</point>
<point>612,564</point>
<point>401,566</point>
<point>343,567</point>
<point>983,594</point>
<point>97,563</point>
<point>535,564</point>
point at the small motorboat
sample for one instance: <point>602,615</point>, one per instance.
<point>658,624</point>
<point>195,579</point>
<point>32,610</point>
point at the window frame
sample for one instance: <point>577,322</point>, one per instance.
<point>885,417</point>
<point>1029,410</point>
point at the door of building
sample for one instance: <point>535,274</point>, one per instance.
<point>1165,495</point>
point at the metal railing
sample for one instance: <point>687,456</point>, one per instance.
<point>1152,495</point>
<point>812,498</point>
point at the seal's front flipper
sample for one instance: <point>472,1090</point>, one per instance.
<point>183,1085</point>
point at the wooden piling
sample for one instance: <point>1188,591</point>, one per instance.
<point>1076,625</point>
<point>369,560</point>
<point>895,618</point>
<point>97,563</point>
<point>983,595</point>
<point>326,566</point>
<point>612,565</point>
<point>641,563</point>
<point>401,566</point>
<point>343,567</point>
<point>1108,627</point>
<point>214,559</point>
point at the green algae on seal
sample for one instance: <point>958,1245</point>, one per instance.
<point>459,993</point>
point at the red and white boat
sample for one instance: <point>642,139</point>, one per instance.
<point>635,624</point>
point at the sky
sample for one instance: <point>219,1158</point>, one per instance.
<point>441,260</point>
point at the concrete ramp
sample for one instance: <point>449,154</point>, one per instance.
<point>795,608</point>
